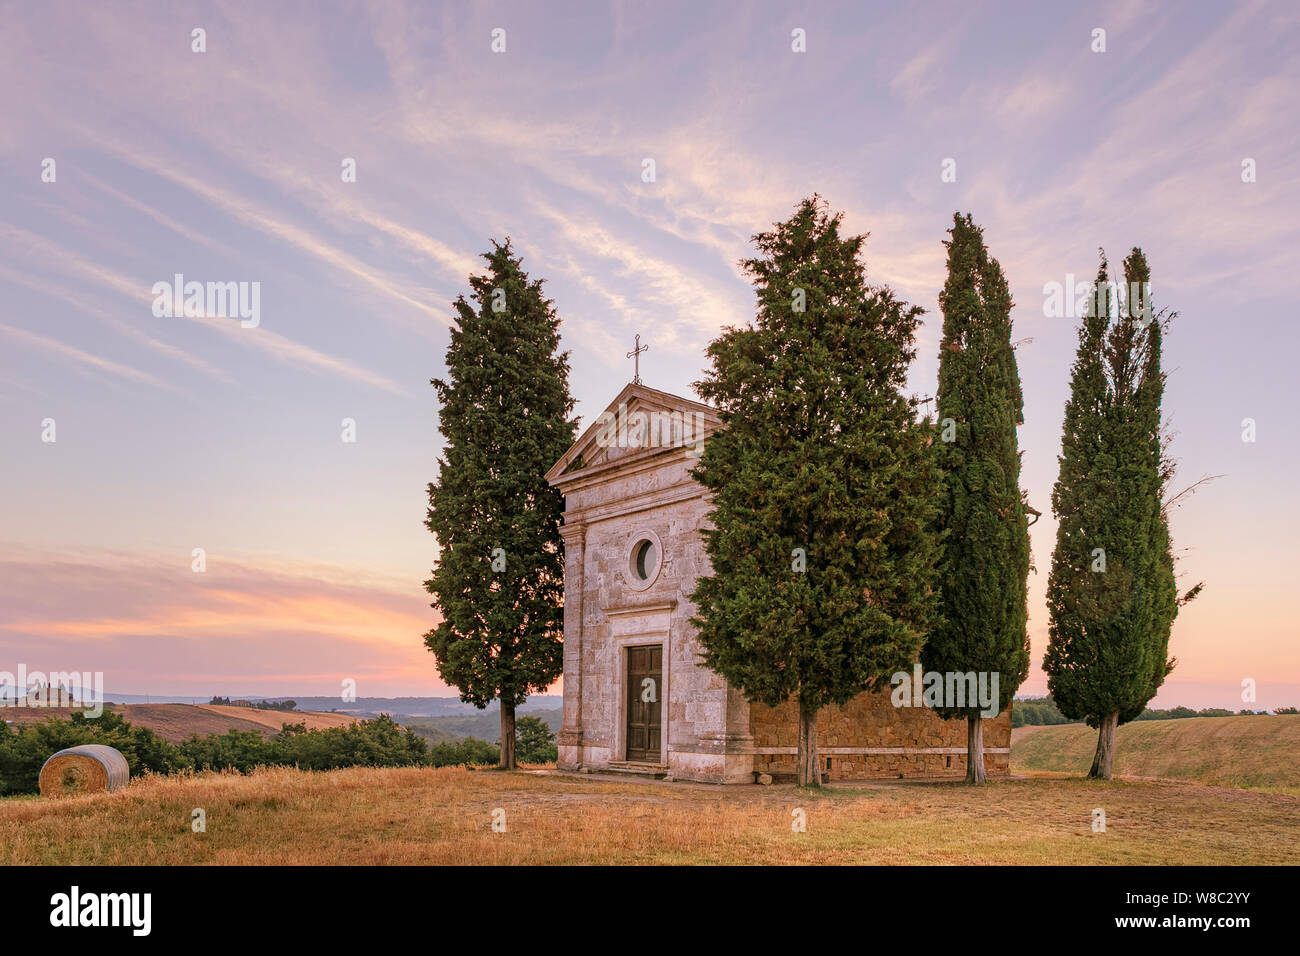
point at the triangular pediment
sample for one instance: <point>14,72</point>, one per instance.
<point>639,423</point>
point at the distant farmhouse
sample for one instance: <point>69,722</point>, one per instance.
<point>637,699</point>
<point>45,695</point>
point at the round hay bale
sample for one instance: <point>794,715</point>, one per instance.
<point>89,768</point>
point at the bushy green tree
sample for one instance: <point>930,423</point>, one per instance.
<point>984,566</point>
<point>822,545</point>
<point>505,414</point>
<point>24,750</point>
<point>470,752</point>
<point>536,741</point>
<point>1036,711</point>
<point>240,750</point>
<point>13,775</point>
<point>1111,593</point>
<point>371,743</point>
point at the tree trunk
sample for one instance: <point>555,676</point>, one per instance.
<point>1101,763</point>
<point>507,761</point>
<point>975,750</point>
<point>810,771</point>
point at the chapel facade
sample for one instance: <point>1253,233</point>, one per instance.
<point>637,697</point>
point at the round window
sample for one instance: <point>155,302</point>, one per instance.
<point>643,560</point>
<point>646,557</point>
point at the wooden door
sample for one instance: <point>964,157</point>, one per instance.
<point>644,702</point>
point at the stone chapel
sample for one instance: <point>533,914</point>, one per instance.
<point>637,697</point>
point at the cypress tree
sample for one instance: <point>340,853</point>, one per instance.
<point>1111,594</point>
<point>505,414</point>
<point>985,558</point>
<point>824,489</point>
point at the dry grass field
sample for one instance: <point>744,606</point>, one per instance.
<point>273,720</point>
<point>1259,753</point>
<point>427,816</point>
<point>176,722</point>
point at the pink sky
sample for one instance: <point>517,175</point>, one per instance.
<point>225,165</point>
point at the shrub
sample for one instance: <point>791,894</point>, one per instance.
<point>24,750</point>
<point>535,741</point>
<point>468,752</point>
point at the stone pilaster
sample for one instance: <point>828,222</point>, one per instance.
<point>569,739</point>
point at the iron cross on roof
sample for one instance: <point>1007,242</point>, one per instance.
<point>635,355</point>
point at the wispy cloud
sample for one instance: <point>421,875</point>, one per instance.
<point>55,290</point>
<point>686,305</point>
<point>82,359</point>
<point>252,214</point>
<point>170,222</point>
<point>277,346</point>
<point>298,355</point>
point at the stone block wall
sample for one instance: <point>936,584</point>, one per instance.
<point>870,737</point>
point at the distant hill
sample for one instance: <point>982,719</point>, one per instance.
<point>483,726</point>
<point>1257,752</point>
<point>361,707</point>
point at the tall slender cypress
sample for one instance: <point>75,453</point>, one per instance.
<point>505,414</point>
<point>985,557</point>
<point>1111,594</point>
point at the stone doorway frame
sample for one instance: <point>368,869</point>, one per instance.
<point>641,637</point>
<point>625,651</point>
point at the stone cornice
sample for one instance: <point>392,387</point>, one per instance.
<point>648,607</point>
<point>632,463</point>
<point>682,491</point>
